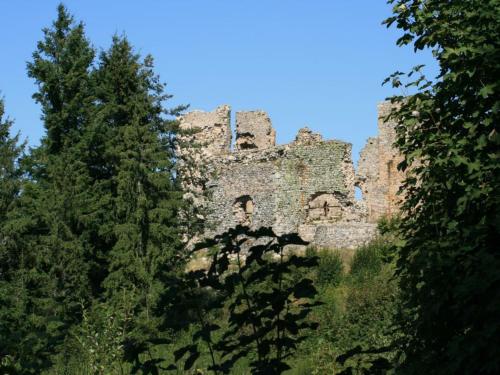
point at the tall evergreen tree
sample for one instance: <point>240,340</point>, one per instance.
<point>10,174</point>
<point>96,219</point>
<point>45,229</point>
<point>139,156</point>
<point>10,184</point>
<point>60,68</point>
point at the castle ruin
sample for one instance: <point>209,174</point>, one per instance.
<point>306,186</point>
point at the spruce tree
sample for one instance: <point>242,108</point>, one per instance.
<point>145,198</point>
<point>95,215</point>
<point>46,229</point>
<point>60,68</point>
<point>10,174</point>
<point>10,185</point>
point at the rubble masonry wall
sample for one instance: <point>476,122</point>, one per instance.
<point>306,186</point>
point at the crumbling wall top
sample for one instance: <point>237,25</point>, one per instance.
<point>378,176</point>
<point>209,130</point>
<point>305,136</point>
<point>254,131</point>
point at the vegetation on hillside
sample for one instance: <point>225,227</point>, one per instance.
<point>93,270</point>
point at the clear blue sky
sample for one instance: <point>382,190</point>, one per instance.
<point>315,62</point>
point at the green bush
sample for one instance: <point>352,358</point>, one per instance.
<point>388,225</point>
<point>357,317</point>
<point>368,260</point>
<point>330,269</point>
<point>364,334</point>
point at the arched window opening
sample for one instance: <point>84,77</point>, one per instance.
<point>243,210</point>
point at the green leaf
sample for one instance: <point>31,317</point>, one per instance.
<point>487,90</point>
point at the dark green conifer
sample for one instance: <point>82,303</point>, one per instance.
<point>46,230</point>
<point>10,175</point>
<point>10,184</point>
<point>145,198</point>
<point>60,68</point>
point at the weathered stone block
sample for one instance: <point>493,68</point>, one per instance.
<point>211,131</point>
<point>378,176</point>
<point>305,136</point>
<point>254,131</point>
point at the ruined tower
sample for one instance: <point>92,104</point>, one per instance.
<point>378,176</point>
<point>306,186</point>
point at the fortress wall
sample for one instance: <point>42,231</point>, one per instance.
<point>306,172</point>
<point>306,186</point>
<point>209,131</point>
<point>368,179</point>
<point>254,131</point>
<point>378,176</point>
<point>242,175</point>
<point>389,158</point>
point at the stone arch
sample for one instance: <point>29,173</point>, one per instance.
<point>243,209</point>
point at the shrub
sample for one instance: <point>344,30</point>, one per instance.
<point>367,261</point>
<point>388,225</point>
<point>364,334</point>
<point>330,268</point>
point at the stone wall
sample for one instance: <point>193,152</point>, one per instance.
<point>378,176</point>
<point>254,131</point>
<point>306,186</point>
<point>210,131</point>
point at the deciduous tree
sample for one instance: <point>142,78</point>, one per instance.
<point>449,258</point>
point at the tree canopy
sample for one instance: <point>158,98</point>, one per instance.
<point>95,216</point>
<point>448,134</point>
<point>97,275</point>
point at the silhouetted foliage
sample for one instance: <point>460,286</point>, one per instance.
<point>267,309</point>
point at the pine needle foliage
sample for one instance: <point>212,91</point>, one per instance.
<point>51,273</point>
<point>143,190</point>
<point>10,185</point>
<point>95,217</point>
